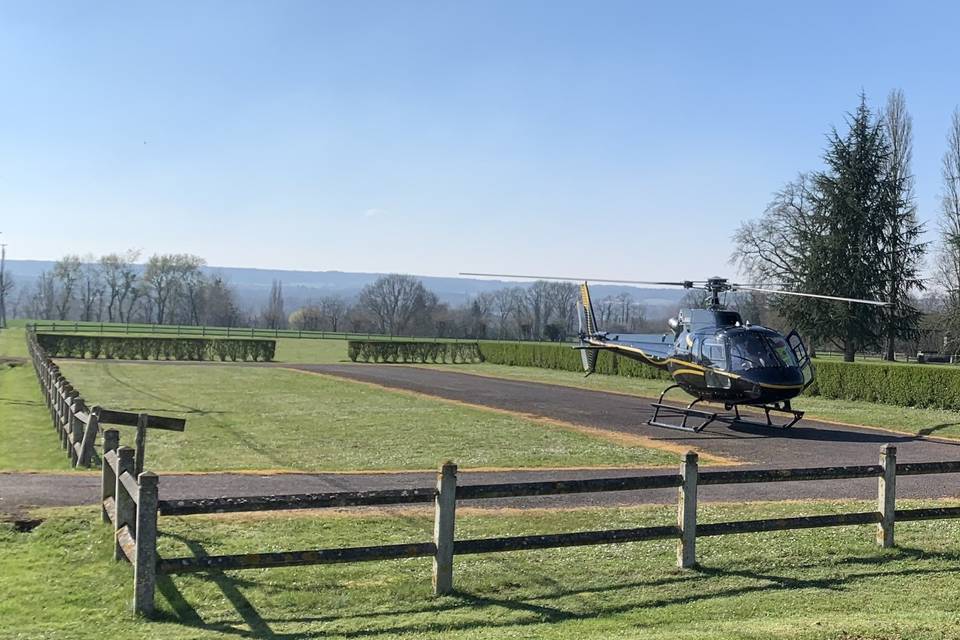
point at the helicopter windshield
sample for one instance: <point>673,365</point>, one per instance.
<point>786,353</point>
<point>751,350</point>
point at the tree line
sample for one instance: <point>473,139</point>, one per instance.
<point>178,289</point>
<point>166,289</point>
<point>398,304</point>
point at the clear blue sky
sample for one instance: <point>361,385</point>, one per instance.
<point>618,139</point>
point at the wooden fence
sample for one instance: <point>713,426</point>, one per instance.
<point>225,332</point>
<point>133,507</point>
<point>77,425</point>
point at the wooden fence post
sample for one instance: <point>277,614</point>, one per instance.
<point>145,567</point>
<point>126,512</point>
<point>443,528</point>
<point>140,443</point>
<point>887,495</point>
<point>67,420</point>
<point>108,479</point>
<point>56,402</point>
<point>89,437</point>
<point>76,431</point>
<point>687,512</point>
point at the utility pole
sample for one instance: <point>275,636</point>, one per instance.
<point>3,287</point>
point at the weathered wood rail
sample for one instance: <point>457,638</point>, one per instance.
<point>125,501</point>
<point>78,425</point>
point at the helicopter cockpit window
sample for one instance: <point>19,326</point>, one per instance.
<point>785,352</point>
<point>713,354</point>
<point>684,343</point>
<point>750,350</point>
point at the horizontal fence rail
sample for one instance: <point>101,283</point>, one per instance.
<point>299,501</point>
<point>107,328</point>
<point>225,332</point>
<point>555,540</point>
<point>446,493</point>
<point>296,558</point>
<point>131,505</point>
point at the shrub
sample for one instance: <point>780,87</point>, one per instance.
<point>565,358</point>
<point>399,351</point>
<point>153,348</point>
<point>908,385</point>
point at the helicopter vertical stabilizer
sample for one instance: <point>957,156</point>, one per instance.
<point>588,327</point>
<point>589,320</point>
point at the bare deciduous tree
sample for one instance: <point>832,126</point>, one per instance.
<point>948,259</point>
<point>91,290</point>
<point>169,276</point>
<point>393,301</point>
<point>120,277</point>
<point>66,274</point>
<point>273,316</point>
<point>333,309</point>
<point>903,253</point>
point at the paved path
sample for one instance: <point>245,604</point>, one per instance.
<point>807,444</point>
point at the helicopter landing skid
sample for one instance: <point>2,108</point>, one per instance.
<point>706,418</point>
<point>670,411</point>
<point>779,407</point>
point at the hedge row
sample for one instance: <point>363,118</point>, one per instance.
<point>909,385</point>
<point>143,348</point>
<point>395,351</point>
<point>563,357</point>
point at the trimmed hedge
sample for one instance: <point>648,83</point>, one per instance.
<point>396,351</point>
<point>565,358</point>
<point>152,348</point>
<point>909,385</point>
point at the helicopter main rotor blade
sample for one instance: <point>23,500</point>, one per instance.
<point>740,287</point>
<point>688,284</point>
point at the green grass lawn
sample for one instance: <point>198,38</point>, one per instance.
<point>59,581</point>
<point>29,441</point>
<point>12,341</point>
<point>939,422</point>
<point>271,418</point>
<point>311,351</point>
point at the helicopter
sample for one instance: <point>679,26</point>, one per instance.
<point>712,354</point>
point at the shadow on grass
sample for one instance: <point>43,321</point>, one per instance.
<point>703,583</point>
<point>185,408</point>
<point>239,436</point>
<point>188,615</point>
<point>937,427</point>
<point>21,403</point>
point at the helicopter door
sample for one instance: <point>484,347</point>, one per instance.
<point>803,358</point>
<point>713,356</point>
